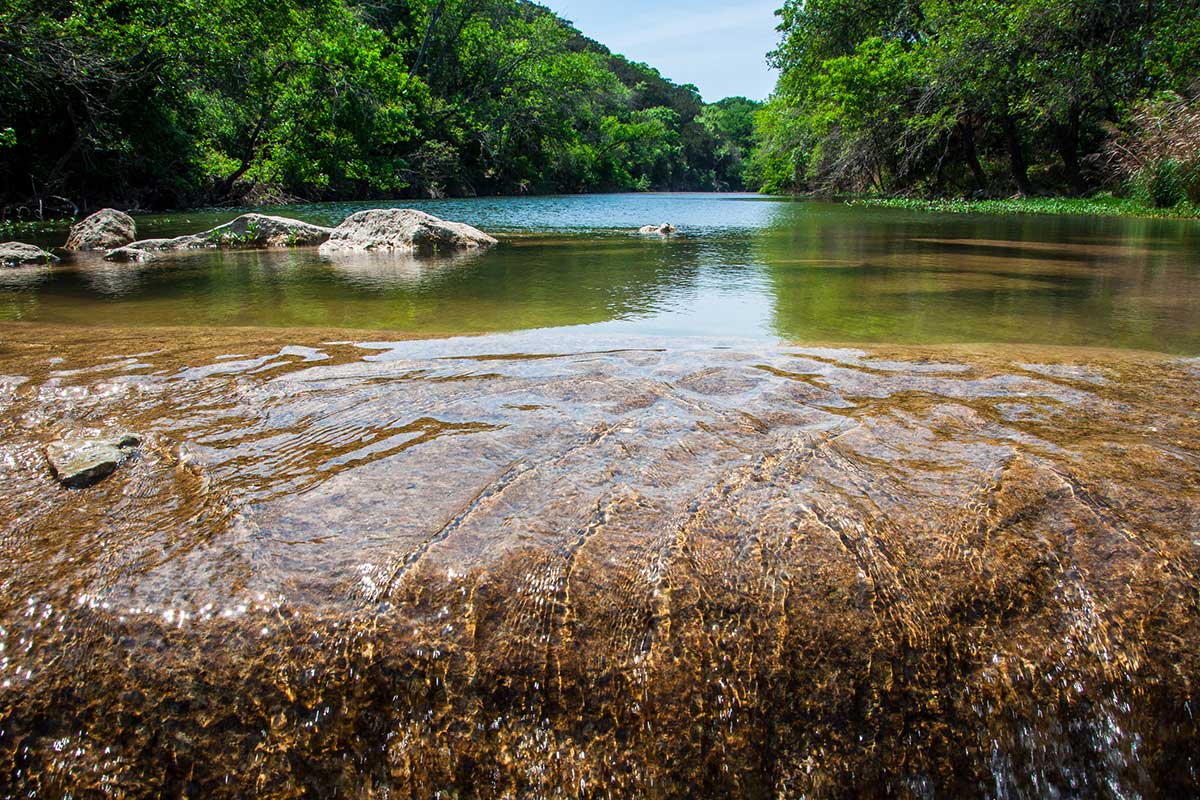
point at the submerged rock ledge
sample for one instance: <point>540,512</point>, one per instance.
<point>248,230</point>
<point>17,254</point>
<point>495,568</point>
<point>400,230</point>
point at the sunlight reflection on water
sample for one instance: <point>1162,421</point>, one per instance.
<point>744,266</point>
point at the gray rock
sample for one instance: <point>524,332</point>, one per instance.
<point>104,230</point>
<point>261,230</point>
<point>247,231</point>
<point>403,230</point>
<point>79,463</point>
<point>145,250</point>
<point>665,229</point>
<point>15,254</point>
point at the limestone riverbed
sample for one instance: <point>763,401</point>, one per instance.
<point>542,566</point>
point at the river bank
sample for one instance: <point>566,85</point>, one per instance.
<point>518,565</point>
<point>1104,205</point>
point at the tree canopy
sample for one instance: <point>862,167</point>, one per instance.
<point>170,103</point>
<point>167,103</point>
<point>968,96</point>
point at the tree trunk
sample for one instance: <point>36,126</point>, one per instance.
<point>251,148</point>
<point>433,21</point>
<point>1068,148</point>
<point>971,154</point>
<point>1020,170</point>
<point>224,189</point>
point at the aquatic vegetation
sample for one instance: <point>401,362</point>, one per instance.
<point>1104,205</point>
<point>17,229</point>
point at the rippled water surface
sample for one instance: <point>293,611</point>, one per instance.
<point>746,267</point>
<point>747,513</point>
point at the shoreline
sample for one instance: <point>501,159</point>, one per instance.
<point>1096,206</point>
<point>1102,205</point>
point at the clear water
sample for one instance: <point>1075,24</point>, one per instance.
<point>746,267</point>
<point>632,543</point>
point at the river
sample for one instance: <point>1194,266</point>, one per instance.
<point>809,501</point>
<point>746,267</point>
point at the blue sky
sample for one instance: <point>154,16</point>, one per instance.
<point>719,46</point>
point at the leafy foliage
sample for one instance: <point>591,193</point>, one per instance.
<point>162,103</point>
<point>944,97</point>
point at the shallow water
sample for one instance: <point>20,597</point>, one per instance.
<point>594,560</point>
<point>747,267</point>
<point>502,566</point>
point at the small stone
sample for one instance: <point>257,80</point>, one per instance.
<point>82,462</point>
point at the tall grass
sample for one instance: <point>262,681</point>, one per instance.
<point>1158,153</point>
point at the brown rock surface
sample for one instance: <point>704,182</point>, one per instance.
<point>516,566</point>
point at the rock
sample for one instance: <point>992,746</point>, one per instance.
<point>15,254</point>
<point>260,230</point>
<point>104,230</point>
<point>141,251</point>
<point>403,230</point>
<point>248,231</point>
<point>79,463</point>
<point>665,229</point>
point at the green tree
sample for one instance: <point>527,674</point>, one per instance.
<point>945,96</point>
<point>176,102</point>
<point>731,123</point>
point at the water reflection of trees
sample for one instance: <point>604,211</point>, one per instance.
<point>539,283</point>
<point>862,277</point>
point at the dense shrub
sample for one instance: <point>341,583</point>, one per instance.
<point>1158,152</point>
